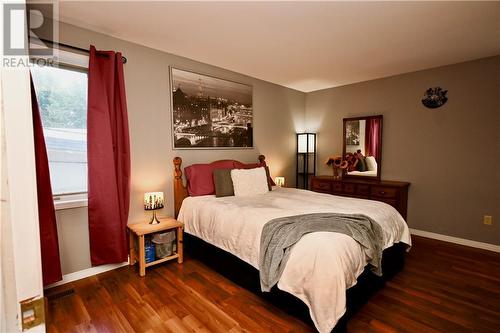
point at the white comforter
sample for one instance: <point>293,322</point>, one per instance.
<point>322,265</point>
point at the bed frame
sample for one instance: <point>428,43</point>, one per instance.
<point>180,191</point>
<point>247,276</point>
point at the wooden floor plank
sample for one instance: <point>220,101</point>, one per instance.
<point>443,288</point>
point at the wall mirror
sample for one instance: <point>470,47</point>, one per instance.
<point>363,146</point>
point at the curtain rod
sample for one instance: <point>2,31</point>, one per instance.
<point>124,60</point>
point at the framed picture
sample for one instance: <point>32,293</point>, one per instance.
<point>352,133</point>
<point>210,113</point>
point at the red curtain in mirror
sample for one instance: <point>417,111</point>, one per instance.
<point>372,147</point>
<point>108,150</point>
<point>49,245</point>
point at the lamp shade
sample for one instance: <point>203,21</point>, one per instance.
<point>280,181</point>
<point>306,143</point>
<point>153,200</point>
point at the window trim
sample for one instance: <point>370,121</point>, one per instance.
<point>76,199</point>
<point>73,68</point>
<point>63,57</point>
<point>70,200</point>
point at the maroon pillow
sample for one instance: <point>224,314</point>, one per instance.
<point>200,177</point>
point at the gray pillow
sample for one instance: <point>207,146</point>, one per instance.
<point>361,164</point>
<point>223,183</point>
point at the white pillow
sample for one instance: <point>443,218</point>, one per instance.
<point>248,182</point>
<point>371,163</point>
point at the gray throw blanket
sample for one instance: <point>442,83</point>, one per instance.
<point>279,235</point>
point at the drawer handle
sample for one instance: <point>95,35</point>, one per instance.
<point>382,192</point>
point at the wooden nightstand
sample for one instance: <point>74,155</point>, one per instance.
<point>139,230</point>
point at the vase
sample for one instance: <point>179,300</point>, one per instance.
<point>336,174</point>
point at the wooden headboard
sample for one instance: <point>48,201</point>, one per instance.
<point>180,191</point>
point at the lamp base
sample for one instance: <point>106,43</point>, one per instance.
<point>154,219</point>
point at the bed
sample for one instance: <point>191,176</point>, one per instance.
<point>321,266</point>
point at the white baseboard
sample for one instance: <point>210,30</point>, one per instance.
<point>86,273</point>
<point>456,240</point>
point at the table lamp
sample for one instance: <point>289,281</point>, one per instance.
<point>153,201</point>
<point>280,181</point>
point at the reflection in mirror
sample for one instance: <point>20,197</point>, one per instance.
<point>363,146</point>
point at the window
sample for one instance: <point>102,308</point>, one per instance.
<point>62,99</point>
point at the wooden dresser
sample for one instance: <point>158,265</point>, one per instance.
<point>393,193</point>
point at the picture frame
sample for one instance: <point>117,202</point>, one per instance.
<point>210,112</point>
<point>352,133</point>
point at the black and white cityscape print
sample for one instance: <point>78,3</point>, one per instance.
<point>209,112</point>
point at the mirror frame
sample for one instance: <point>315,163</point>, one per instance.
<point>379,163</point>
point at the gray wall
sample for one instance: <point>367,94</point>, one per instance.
<point>278,114</point>
<point>451,155</point>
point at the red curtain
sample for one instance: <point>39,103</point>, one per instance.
<point>108,151</point>
<point>372,147</point>
<point>49,244</point>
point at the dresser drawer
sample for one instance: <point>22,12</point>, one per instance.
<point>363,190</point>
<point>337,187</point>
<point>389,201</point>
<point>321,186</point>
<point>349,188</point>
<point>384,192</point>
<point>393,193</point>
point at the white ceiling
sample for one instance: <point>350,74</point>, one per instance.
<point>303,45</point>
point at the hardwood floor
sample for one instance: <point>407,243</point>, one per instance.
<point>443,288</point>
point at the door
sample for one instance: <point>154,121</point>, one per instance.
<point>20,257</point>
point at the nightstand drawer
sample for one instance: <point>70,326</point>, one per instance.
<point>384,192</point>
<point>321,186</point>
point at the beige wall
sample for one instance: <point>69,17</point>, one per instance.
<point>451,155</point>
<point>278,113</point>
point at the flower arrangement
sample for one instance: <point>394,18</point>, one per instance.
<point>338,163</point>
<point>352,161</point>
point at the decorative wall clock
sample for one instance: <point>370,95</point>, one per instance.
<point>434,98</point>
